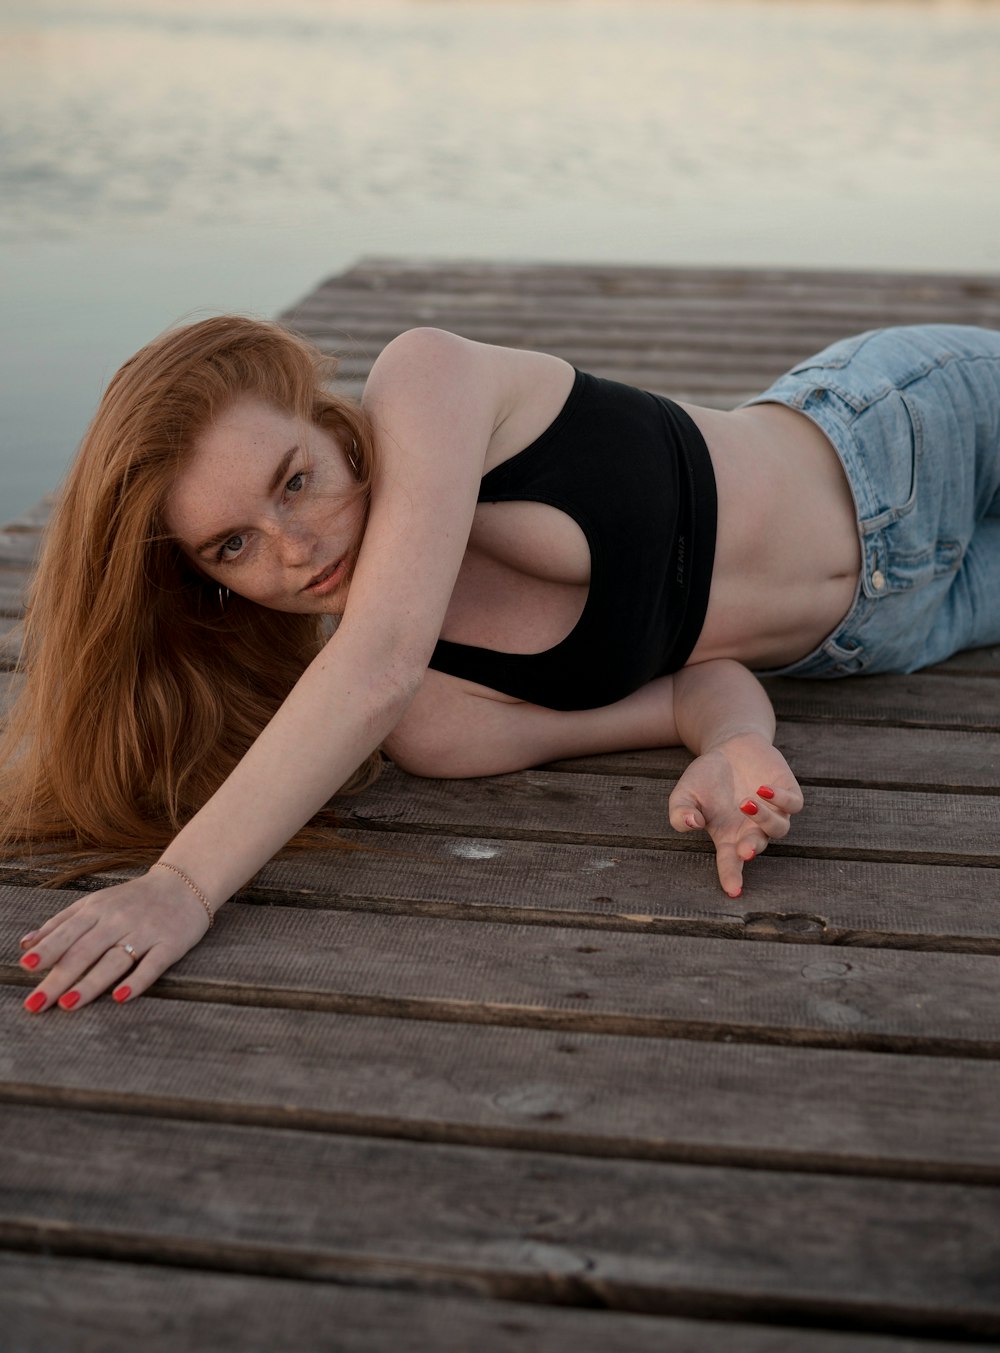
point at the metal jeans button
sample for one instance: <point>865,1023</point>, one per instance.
<point>878,580</point>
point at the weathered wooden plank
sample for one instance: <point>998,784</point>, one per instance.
<point>688,334</point>
<point>32,520</point>
<point>973,661</point>
<point>797,901</point>
<point>11,634</point>
<point>921,698</point>
<point>650,1237</point>
<point>10,684</point>
<point>555,806</point>
<point>359,331</point>
<point>585,1094</point>
<point>804,292</point>
<point>811,311</point>
<point>677,342</point>
<point>843,754</point>
<point>359,324</point>
<point>401,273</point>
<point>123,1306</point>
<point>19,549</point>
<point>13,584</point>
<point>801,901</point>
<point>649,985</point>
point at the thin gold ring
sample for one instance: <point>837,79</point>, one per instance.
<point>129,950</point>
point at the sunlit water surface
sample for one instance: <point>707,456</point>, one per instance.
<point>166,158</point>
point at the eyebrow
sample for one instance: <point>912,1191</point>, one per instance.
<point>276,478</point>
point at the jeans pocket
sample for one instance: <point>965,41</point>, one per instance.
<point>888,440</point>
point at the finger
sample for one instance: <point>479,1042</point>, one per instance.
<point>153,965</point>
<point>46,929</point>
<point>109,971</point>
<point>684,813</point>
<point>785,800</point>
<point>730,868</point>
<point>76,983</point>
<point>116,970</point>
<point>749,847</point>
<point>48,951</point>
<point>771,822</point>
<point>773,825</point>
<point>77,959</point>
<point>79,979</point>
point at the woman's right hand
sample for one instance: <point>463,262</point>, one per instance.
<point>743,793</point>
<point>82,945</point>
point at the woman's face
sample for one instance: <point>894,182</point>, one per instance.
<point>268,506</point>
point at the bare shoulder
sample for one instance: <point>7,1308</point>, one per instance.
<point>514,394</point>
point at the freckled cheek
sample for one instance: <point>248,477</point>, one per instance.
<point>260,582</point>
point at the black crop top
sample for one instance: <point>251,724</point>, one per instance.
<point>633,471</point>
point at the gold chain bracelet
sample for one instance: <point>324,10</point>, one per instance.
<point>162,864</point>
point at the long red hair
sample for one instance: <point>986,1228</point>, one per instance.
<point>140,693</point>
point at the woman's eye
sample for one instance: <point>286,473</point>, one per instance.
<point>230,548</point>
<point>294,485</point>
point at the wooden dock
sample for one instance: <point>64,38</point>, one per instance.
<point>519,1076</point>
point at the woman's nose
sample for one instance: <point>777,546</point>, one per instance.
<point>296,544</point>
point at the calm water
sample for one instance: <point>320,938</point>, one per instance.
<point>169,158</point>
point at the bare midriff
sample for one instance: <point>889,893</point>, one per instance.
<point>788,555</point>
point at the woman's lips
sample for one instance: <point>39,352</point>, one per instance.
<point>329,580</point>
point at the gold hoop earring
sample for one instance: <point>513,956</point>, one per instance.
<point>353,460</point>
<point>223,597</point>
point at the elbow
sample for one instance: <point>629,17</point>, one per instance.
<point>413,352</point>
<point>424,340</point>
<point>422,749</point>
<point>395,692</point>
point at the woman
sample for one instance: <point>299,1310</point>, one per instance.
<point>526,563</point>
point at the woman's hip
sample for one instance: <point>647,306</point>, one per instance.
<point>914,415</point>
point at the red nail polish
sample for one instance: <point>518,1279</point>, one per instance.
<point>750,808</point>
<point>121,993</point>
<point>738,893</point>
<point>31,960</point>
<point>766,792</point>
<point>69,1000</point>
<point>751,855</point>
<point>35,1002</point>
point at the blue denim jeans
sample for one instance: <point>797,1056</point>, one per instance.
<point>914,414</point>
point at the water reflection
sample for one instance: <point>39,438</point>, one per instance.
<point>125,111</point>
<point>160,157</point>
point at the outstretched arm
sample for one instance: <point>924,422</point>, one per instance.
<point>435,401</point>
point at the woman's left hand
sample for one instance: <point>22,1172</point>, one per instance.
<point>743,793</point>
<point>123,937</point>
